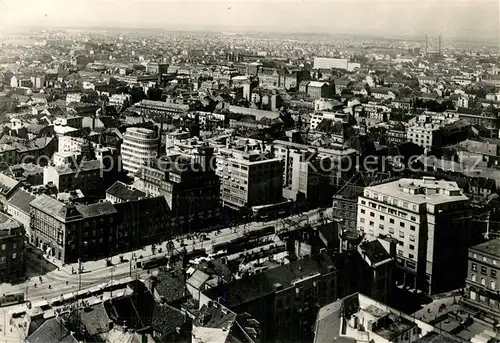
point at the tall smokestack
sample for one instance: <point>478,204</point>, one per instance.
<point>439,45</point>
<point>426,45</point>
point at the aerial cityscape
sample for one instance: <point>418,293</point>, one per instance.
<point>249,172</point>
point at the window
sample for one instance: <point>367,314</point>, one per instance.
<point>362,220</point>
<point>411,256</point>
<point>372,223</point>
<point>412,247</point>
<point>363,202</point>
<point>385,198</point>
<point>493,285</point>
<point>495,262</point>
<point>401,234</point>
<point>483,281</point>
<point>2,259</point>
<point>473,277</point>
<point>474,267</point>
<point>473,295</point>
<point>372,214</point>
<point>493,273</point>
<point>14,256</point>
<point>405,204</point>
<point>402,224</point>
<point>400,252</point>
<point>412,227</point>
<point>484,271</point>
<point>381,227</point>
<point>413,218</point>
<point>382,218</point>
<point>391,230</point>
<point>363,211</point>
<point>391,221</point>
<point>485,259</point>
<point>3,246</point>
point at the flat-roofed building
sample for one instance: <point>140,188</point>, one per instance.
<point>431,220</point>
<point>138,147</point>
<point>249,178</point>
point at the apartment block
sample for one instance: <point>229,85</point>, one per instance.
<point>71,231</point>
<point>249,178</point>
<point>11,249</point>
<point>431,220</point>
<point>138,147</point>
<point>482,289</point>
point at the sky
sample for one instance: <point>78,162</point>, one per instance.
<point>454,19</point>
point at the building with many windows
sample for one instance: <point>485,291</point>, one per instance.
<point>11,249</point>
<point>69,231</point>
<point>482,295</point>
<point>190,187</point>
<point>138,147</point>
<point>431,220</point>
<point>249,178</point>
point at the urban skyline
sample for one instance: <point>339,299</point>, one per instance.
<point>471,20</point>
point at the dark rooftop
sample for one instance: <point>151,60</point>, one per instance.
<point>123,192</point>
<point>21,200</point>
<point>260,285</point>
<point>374,251</point>
<point>52,331</point>
<point>491,247</point>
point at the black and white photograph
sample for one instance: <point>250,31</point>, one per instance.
<point>250,171</point>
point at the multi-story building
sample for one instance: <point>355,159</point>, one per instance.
<point>284,300</point>
<point>68,232</point>
<point>86,176</point>
<point>431,220</point>
<point>345,207</point>
<point>311,177</point>
<point>191,188</point>
<point>358,318</point>
<point>397,135</point>
<point>18,206</point>
<point>422,134</point>
<point>138,147</point>
<point>269,77</point>
<point>19,150</point>
<point>12,266</point>
<point>328,63</point>
<point>119,99</point>
<point>482,289</point>
<point>317,117</point>
<point>318,90</point>
<point>70,144</point>
<point>249,178</point>
<point>150,107</point>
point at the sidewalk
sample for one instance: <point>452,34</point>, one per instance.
<point>160,248</point>
<point>211,238</point>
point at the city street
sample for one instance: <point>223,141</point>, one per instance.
<point>62,280</point>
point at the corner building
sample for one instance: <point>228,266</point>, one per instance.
<point>138,147</point>
<point>432,222</point>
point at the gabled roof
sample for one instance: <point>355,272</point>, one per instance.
<point>52,331</point>
<point>123,192</point>
<point>55,208</point>
<point>7,184</point>
<point>21,200</point>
